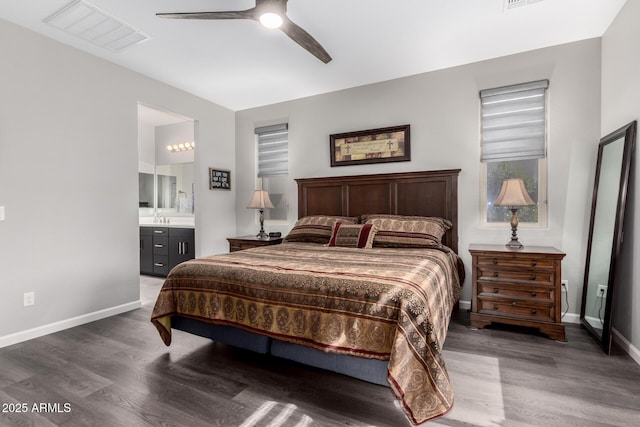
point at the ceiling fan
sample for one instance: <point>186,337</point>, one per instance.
<point>271,14</point>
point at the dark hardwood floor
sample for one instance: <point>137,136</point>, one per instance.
<point>117,372</point>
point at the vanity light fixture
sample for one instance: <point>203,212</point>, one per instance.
<point>182,146</point>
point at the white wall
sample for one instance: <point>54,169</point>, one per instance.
<point>68,180</point>
<point>621,105</point>
<point>443,110</point>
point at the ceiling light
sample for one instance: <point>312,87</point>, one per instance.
<point>86,21</point>
<point>271,20</point>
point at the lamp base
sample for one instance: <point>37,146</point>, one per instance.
<point>262,235</point>
<point>514,244</point>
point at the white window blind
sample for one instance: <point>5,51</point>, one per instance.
<point>514,122</point>
<point>273,150</point>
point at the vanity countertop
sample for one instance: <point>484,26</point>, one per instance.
<point>172,224</point>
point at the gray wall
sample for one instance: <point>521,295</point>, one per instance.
<point>443,110</point>
<point>68,181</point>
<point>621,105</point>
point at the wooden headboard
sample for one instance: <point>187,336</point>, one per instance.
<point>428,193</point>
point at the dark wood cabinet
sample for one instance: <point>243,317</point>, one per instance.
<point>248,242</point>
<point>518,287</point>
<point>162,248</point>
<point>146,250</point>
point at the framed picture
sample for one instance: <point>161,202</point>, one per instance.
<point>219,179</point>
<point>392,144</point>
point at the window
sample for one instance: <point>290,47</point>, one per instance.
<point>273,168</point>
<point>514,146</point>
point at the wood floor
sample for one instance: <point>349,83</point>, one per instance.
<point>117,372</point>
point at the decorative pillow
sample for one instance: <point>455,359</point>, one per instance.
<point>316,228</point>
<point>399,231</point>
<point>352,235</point>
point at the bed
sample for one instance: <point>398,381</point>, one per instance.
<point>349,290</point>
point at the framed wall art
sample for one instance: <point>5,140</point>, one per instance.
<point>391,144</point>
<point>219,179</point>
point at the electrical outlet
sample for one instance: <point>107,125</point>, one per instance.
<point>601,291</point>
<point>29,298</point>
<point>565,285</point>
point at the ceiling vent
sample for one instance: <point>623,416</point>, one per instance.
<point>86,21</point>
<point>511,4</point>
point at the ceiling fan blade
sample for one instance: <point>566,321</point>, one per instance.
<point>304,39</point>
<point>237,14</point>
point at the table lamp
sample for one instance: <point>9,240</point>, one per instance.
<point>513,195</point>
<point>261,202</point>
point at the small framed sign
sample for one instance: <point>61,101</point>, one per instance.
<point>219,179</point>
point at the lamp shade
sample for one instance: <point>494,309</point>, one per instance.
<point>260,200</point>
<point>513,193</point>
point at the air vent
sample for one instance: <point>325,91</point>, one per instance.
<point>511,4</point>
<point>94,25</point>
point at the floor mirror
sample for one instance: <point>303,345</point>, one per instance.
<point>605,232</point>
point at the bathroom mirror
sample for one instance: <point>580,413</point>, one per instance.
<point>605,232</point>
<point>168,191</point>
<point>175,189</point>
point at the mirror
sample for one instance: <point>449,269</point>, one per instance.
<point>170,191</point>
<point>605,232</point>
<point>175,188</point>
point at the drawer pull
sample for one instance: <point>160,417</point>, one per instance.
<point>533,311</point>
<point>158,264</point>
<point>495,274</point>
<point>495,261</point>
<point>533,294</point>
<point>534,263</point>
<point>533,277</point>
<point>513,303</point>
<point>158,231</point>
<point>496,290</point>
<point>158,246</point>
<point>495,306</point>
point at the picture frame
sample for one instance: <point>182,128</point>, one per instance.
<point>219,179</point>
<point>383,145</point>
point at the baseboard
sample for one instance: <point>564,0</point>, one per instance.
<point>571,318</point>
<point>40,331</point>
<point>629,348</point>
<point>465,305</point>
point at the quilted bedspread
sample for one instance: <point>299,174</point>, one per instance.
<point>381,303</point>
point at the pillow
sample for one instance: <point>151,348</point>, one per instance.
<point>399,231</point>
<point>352,235</point>
<point>316,228</point>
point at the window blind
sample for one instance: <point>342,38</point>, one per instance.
<point>514,122</point>
<point>273,150</point>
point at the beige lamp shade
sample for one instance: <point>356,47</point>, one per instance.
<point>260,200</point>
<point>513,193</point>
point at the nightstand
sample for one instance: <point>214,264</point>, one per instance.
<point>517,287</point>
<point>248,242</point>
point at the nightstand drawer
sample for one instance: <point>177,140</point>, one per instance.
<point>486,272</point>
<point>516,308</point>
<point>518,262</point>
<point>537,292</point>
<point>248,242</point>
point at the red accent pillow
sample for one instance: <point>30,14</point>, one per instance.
<point>352,235</point>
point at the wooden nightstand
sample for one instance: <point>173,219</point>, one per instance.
<point>518,287</point>
<point>248,242</point>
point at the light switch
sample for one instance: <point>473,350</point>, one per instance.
<point>1,213</point>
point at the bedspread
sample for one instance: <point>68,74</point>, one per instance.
<point>380,303</point>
